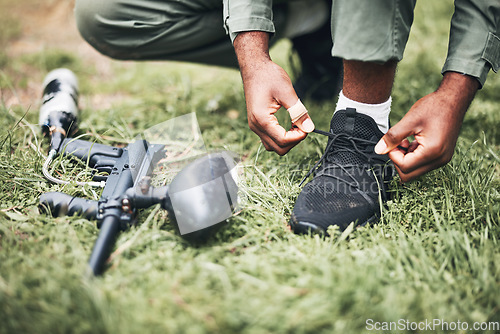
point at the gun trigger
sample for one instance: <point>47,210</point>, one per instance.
<point>101,173</point>
<point>104,169</point>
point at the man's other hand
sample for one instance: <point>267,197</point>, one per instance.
<point>435,122</point>
<point>268,88</point>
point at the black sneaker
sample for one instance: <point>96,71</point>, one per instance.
<point>350,179</point>
<point>321,74</point>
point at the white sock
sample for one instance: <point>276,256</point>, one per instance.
<point>379,112</point>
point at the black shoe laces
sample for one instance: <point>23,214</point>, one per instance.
<point>345,143</point>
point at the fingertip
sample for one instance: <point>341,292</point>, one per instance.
<point>381,147</point>
<point>307,125</point>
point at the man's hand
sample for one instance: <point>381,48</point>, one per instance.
<point>435,122</point>
<point>267,88</point>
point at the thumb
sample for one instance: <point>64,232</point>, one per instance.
<point>394,137</point>
<point>300,117</point>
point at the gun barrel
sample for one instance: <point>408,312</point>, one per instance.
<point>110,228</point>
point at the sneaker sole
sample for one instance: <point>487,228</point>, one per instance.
<point>301,227</point>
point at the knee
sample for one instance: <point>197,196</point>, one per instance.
<point>94,21</point>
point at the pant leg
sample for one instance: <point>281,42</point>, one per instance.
<point>474,46</point>
<point>371,30</point>
<point>186,30</point>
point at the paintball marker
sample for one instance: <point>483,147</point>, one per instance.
<point>203,194</point>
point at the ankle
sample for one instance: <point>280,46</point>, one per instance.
<point>379,112</point>
<point>368,82</point>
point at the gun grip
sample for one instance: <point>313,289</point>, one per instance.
<point>95,153</point>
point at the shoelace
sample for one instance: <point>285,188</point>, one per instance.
<point>347,144</point>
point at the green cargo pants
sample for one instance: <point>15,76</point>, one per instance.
<point>366,30</point>
<point>196,30</point>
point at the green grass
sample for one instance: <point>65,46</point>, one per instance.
<point>433,255</point>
